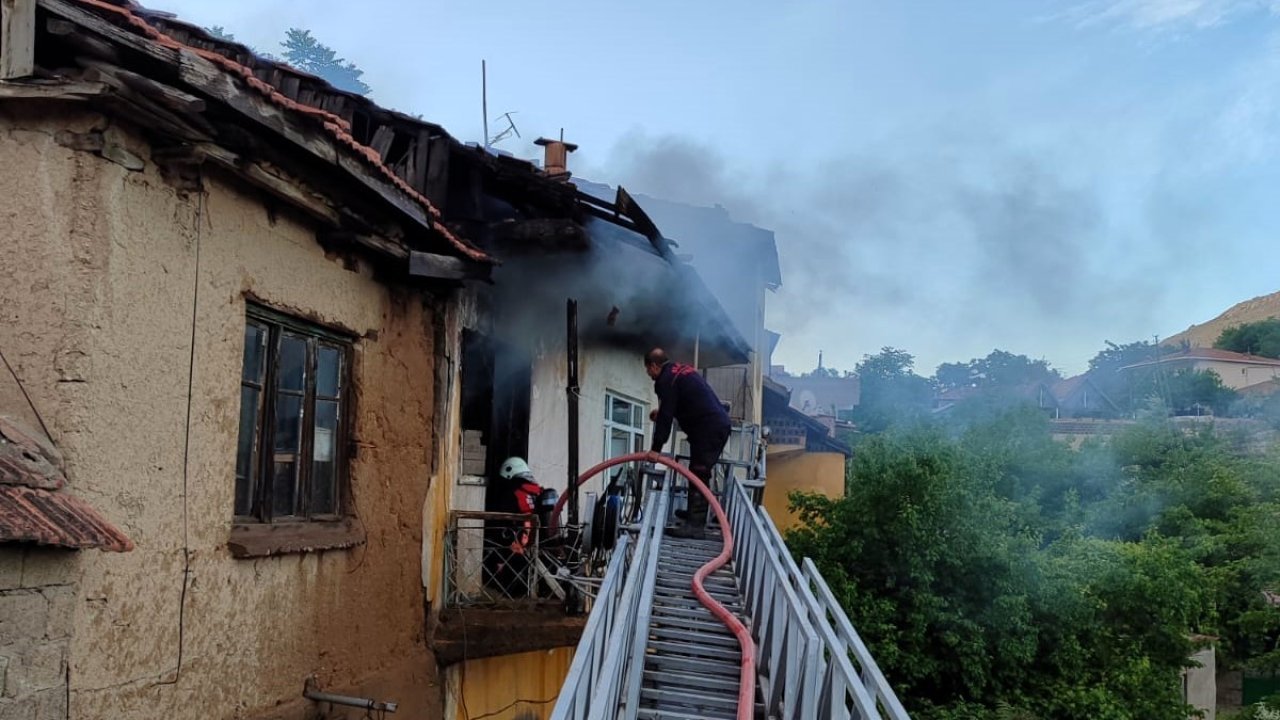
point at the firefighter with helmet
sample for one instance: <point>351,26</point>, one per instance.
<point>518,480</point>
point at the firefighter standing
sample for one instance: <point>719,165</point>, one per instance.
<point>683,395</point>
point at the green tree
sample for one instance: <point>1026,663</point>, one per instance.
<point>999,369</point>
<point>1193,392</point>
<point>1255,338</point>
<point>974,609</point>
<point>306,53</point>
<point>221,33</point>
<point>997,574</point>
<point>890,391</point>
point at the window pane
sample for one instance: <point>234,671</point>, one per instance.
<point>255,352</point>
<point>637,416</point>
<point>328,367</point>
<point>619,443</point>
<point>292,363</point>
<point>284,488</point>
<point>324,466</point>
<point>245,469</point>
<point>621,412</point>
<point>638,440</point>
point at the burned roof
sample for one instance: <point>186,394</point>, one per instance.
<point>217,100</point>
<point>34,507</point>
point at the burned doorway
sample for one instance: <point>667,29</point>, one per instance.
<point>497,381</point>
<point>496,397</point>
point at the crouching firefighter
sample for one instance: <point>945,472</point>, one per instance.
<point>521,495</point>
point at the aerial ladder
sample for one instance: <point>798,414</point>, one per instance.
<point>726,628</point>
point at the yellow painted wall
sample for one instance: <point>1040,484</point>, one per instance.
<point>821,472</point>
<point>502,688</point>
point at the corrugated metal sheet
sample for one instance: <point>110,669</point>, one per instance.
<point>32,508</point>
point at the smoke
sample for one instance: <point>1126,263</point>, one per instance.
<point>626,295</point>
<point>946,252</point>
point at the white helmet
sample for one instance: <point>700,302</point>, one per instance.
<point>514,467</point>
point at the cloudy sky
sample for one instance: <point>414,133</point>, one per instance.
<point>945,177</point>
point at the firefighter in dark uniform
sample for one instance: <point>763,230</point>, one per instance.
<point>684,396</point>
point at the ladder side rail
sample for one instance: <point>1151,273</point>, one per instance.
<point>605,699</point>
<point>871,674</point>
<point>640,632</point>
<point>589,655</point>
<point>790,639</point>
<point>835,668</point>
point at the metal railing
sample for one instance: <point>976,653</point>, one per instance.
<point>810,661</point>
<point>787,643</point>
<point>609,659</point>
<point>490,558</point>
<point>807,643</point>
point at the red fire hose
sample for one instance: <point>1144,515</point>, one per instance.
<point>747,676</point>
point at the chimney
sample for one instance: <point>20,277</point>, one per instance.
<point>555,161</point>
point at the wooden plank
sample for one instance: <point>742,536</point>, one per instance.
<point>382,139</point>
<point>418,166</point>
<point>436,186</point>
<point>166,95</point>
<point>120,36</point>
<point>52,90</point>
<point>444,267</point>
<point>17,38</point>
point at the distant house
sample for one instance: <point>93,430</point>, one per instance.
<point>803,456</point>
<point>1039,394</point>
<point>821,395</point>
<point>949,398</point>
<point>1080,396</point>
<point>1237,370</point>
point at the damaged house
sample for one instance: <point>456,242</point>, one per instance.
<point>263,340</point>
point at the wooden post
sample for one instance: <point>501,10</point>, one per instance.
<point>17,38</point>
<point>572,389</point>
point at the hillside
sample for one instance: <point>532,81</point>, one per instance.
<point>1203,335</point>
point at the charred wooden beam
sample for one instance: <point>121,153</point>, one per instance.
<point>541,235</point>
<point>436,185</point>
<point>82,43</point>
<point>445,267</point>
<point>17,38</point>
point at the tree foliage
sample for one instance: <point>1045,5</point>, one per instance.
<point>890,390</point>
<point>996,573</point>
<point>1255,338</point>
<point>221,33</point>
<point>999,369</point>
<point>304,52</point>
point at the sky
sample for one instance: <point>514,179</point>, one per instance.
<point>1038,176</point>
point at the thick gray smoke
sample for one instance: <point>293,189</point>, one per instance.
<point>626,295</point>
<point>946,253</point>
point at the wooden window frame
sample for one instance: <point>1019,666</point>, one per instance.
<point>261,470</point>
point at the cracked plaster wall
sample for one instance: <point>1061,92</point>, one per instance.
<point>97,287</point>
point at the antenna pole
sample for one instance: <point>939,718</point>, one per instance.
<point>484,101</point>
